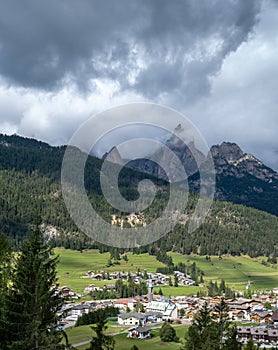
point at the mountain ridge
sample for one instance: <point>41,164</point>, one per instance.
<point>241,178</point>
<point>30,185</point>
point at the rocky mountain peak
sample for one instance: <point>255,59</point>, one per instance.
<point>113,156</point>
<point>229,151</point>
<point>229,159</point>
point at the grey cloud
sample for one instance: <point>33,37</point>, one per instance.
<point>242,106</point>
<point>43,43</point>
<point>213,60</point>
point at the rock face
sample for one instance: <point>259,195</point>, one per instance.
<point>113,156</point>
<point>229,159</point>
<point>240,177</point>
<point>162,159</point>
<point>188,155</point>
<point>228,151</point>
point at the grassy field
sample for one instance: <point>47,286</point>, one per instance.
<point>73,265</point>
<point>83,333</point>
<point>180,290</point>
<point>236,271</point>
<point>123,343</point>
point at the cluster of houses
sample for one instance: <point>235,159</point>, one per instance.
<point>66,292</point>
<point>262,334</point>
<point>184,279</point>
<point>266,333</point>
<point>101,276</point>
<point>246,310</point>
<point>157,278</point>
<point>158,309</point>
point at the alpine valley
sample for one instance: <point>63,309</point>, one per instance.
<point>245,202</point>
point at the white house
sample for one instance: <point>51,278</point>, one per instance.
<point>139,333</point>
<point>91,288</point>
<point>81,309</point>
<point>132,319</point>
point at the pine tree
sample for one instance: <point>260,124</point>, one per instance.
<point>134,347</point>
<point>194,272</point>
<point>32,303</point>
<point>232,343</point>
<point>125,258</point>
<point>207,331</point>
<point>167,333</point>
<point>251,345</point>
<point>222,287</point>
<point>5,275</point>
<point>222,315</point>
<point>100,341</point>
<point>202,332</point>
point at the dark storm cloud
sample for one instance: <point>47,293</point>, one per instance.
<point>213,60</point>
<point>152,47</point>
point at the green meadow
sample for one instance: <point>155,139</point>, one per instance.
<point>80,334</point>
<point>236,271</point>
<point>123,343</point>
<point>73,265</point>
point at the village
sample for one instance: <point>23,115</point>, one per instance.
<point>256,317</point>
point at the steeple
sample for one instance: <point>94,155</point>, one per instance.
<point>150,289</point>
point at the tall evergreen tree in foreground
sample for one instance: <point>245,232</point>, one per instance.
<point>251,345</point>
<point>101,341</point>
<point>167,333</point>
<point>211,330</point>
<point>32,303</point>
<point>203,333</point>
<point>232,342</point>
<point>222,315</point>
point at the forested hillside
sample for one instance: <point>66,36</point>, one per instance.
<point>29,186</point>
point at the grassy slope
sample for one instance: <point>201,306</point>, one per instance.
<point>74,264</point>
<point>236,271</point>
<point>123,343</point>
<point>83,333</point>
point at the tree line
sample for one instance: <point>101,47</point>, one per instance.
<point>97,315</point>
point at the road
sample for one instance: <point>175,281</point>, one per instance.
<point>88,341</point>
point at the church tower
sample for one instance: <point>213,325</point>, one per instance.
<point>150,290</point>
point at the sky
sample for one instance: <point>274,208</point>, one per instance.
<point>214,61</point>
